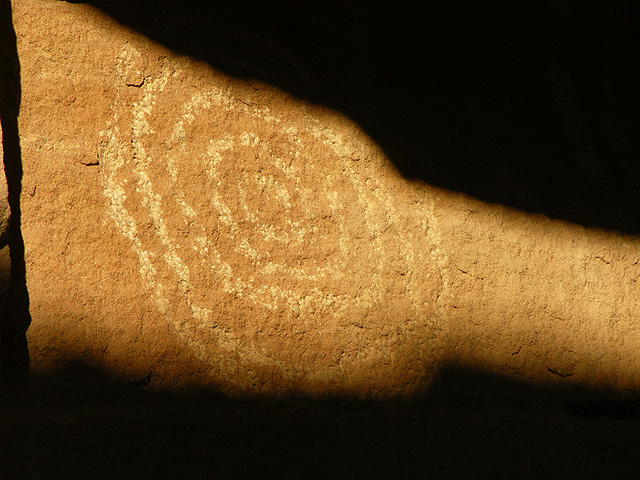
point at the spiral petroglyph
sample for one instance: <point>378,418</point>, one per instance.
<point>270,241</point>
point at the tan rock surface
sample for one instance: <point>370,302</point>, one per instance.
<point>188,224</point>
<point>220,232</point>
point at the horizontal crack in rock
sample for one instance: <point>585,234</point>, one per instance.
<point>560,374</point>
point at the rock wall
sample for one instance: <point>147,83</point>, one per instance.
<point>218,231</point>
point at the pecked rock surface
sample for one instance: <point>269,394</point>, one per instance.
<point>213,230</point>
<point>218,231</point>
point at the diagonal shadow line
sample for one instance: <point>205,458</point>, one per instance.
<point>529,106</point>
<point>15,316</point>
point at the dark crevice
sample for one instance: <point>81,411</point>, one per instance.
<point>14,316</point>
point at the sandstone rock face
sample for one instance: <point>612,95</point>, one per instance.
<point>209,229</point>
<point>266,232</point>
<point>220,232</point>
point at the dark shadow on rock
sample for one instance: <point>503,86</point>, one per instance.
<point>81,422</point>
<point>14,314</point>
<point>533,106</point>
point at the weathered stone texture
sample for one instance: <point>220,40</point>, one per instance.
<point>220,232</point>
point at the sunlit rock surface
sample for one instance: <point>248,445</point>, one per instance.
<point>219,231</point>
